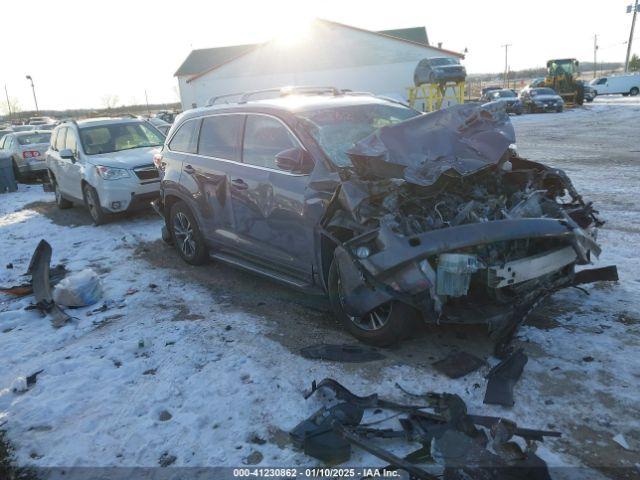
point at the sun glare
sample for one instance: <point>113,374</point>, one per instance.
<point>293,29</point>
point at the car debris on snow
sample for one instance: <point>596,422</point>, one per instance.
<point>56,274</point>
<point>78,289</point>
<point>458,364</point>
<point>503,377</point>
<point>341,353</point>
<point>459,444</point>
<point>39,271</point>
<point>444,216</point>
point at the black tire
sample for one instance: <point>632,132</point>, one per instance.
<point>559,109</point>
<point>61,202</point>
<point>92,202</point>
<point>634,91</point>
<point>531,109</point>
<point>399,321</point>
<point>16,172</point>
<point>186,235</point>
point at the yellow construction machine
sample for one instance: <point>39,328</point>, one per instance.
<point>562,76</point>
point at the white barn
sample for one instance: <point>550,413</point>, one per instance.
<point>326,54</point>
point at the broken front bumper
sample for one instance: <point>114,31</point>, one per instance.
<point>401,269</point>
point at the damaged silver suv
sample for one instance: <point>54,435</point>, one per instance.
<point>399,217</point>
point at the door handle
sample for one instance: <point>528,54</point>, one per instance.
<point>239,184</point>
<point>189,169</point>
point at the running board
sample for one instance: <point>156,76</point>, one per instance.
<point>277,276</point>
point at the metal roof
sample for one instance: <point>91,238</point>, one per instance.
<point>414,34</point>
<point>200,60</point>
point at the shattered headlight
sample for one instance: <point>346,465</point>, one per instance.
<point>110,173</point>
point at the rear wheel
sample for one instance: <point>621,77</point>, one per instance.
<point>385,325</point>
<point>186,235</point>
<point>634,91</point>
<point>16,173</point>
<point>61,202</point>
<point>92,202</point>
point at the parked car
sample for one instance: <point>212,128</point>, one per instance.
<point>160,124</point>
<point>508,97</point>
<point>589,92</point>
<point>47,126</point>
<point>439,69</point>
<point>27,151</point>
<point>23,128</point>
<point>39,121</point>
<point>484,93</point>
<point>4,132</point>
<point>397,216</point>
<point>620,84</point>
<point>105,164</point>
<point>541,99</point>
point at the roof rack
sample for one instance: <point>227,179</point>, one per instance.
<point>280,92</point>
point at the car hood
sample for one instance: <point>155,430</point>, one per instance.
<point>459,140</point>
<point>126,158</point>
<point>544,98</point>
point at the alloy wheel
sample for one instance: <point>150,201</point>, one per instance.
<point>374,320</point>
<point>184,235</point>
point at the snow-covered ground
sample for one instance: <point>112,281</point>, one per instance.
<point>176,368</point>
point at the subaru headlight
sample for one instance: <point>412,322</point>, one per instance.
<point>110,173</point>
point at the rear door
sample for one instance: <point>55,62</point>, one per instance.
<point>204,174</point>
<point>268,203</point>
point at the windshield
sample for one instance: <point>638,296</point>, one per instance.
<point>119,136</point>
<point>542,91</point>
<point>503,94</point>
<point>337,129</point>
<point>437,62</point>
<point>34,138</point>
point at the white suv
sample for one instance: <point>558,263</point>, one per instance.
<point>105,163</point>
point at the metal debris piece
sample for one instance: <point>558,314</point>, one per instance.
<point>449,436</point>
<point>502,379</point>
<point>458,364</point>
<point>39,271</point>
<point>341,353</point>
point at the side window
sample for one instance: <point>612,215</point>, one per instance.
<point>264,138</point>
<point>71,143</point>
<point>4,140</point>
<point>185,139</point>
<point>54,135</point>
<point>602,81</point>
<point>220,136</point>
<point>60,139</point>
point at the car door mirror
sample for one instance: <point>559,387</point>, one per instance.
<point>294,160</point>
<point>67,154</point>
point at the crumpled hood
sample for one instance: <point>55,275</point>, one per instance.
<point>126,158</point>
<point>458,140</point>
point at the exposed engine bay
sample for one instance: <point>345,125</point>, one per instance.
<point>440,212</point>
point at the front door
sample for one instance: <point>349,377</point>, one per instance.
<point>269,203</point>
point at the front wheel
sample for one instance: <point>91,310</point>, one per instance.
<point>61,202</point>
<point>531,109</point>
<point>559,109</point>
<point>384,326</point>
<point>92,202</point>
<point>634,91</point>
<point>186,235</point>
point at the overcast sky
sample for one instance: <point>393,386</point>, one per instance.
<point>79,51</point>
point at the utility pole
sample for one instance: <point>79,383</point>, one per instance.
<point>146,99</point>
<point>35,100</point>
<point>635,9</point>
<point>595,50</point>
<point>8,101</point>
<point>506,62</point>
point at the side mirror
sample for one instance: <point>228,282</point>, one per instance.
<point>67,154</point>
<point>294,160</point>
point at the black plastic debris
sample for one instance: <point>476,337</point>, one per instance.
<point>39,271</point>
<point>458,364</point>
<point>503,377</point>
<point>604,274</point>
<point>33,378</point>
<point>455,444</point>
<point>56,274</point>
<point>341,353</point>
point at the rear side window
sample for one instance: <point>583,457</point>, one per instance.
<point>185,139</point>
<point>220,136</point>
<point>264,138</point>
<point>60,139</point>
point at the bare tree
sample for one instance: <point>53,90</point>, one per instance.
<point>12,107</point>
<point>110,101</point>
